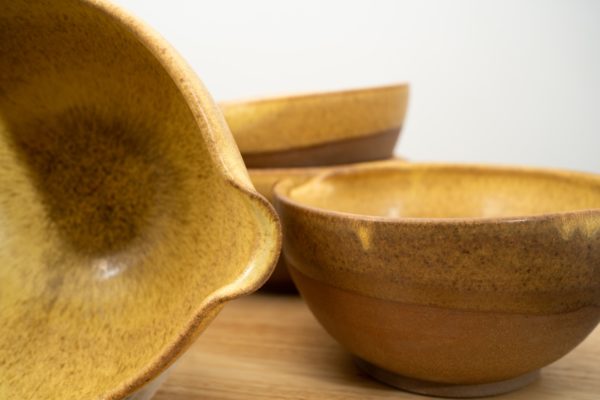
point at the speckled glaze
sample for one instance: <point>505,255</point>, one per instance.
<point>319,129</point>
<point>127,217</point>
<point>264,179</point>
<point>451,276</point>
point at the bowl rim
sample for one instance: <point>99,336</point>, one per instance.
<point>317,169</point>
<point>228,163</point>
<point>282,187</point>
<point>402,86</point>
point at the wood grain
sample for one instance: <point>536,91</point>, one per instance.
<point>270,347</point>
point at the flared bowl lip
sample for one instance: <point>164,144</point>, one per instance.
<point>283,187</point>
<point>212,125</point>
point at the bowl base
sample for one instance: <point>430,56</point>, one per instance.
<point>439,389</point>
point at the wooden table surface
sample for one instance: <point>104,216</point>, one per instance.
<point>270,347</point>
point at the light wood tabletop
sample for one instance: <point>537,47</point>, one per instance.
<point>270,347</point>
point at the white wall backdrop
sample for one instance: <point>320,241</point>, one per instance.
<point>512,81</point>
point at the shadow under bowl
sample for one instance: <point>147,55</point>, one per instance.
<point>447,280</point>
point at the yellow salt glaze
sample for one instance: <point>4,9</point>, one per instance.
<point>127,217</point>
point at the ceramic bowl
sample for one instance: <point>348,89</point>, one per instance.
<point>264,179</point>
<point>127,217</point>
<point>318,129</point>
<point>448,280</point>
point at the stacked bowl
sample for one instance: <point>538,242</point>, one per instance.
<point>441,279</point>
<point>301,136</point>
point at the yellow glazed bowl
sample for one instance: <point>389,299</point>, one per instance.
<point>264,179</point>
<point>127,217</point>
<point>319,129</point>
<point>448,280</point>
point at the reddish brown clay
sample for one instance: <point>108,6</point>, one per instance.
<point>376,146</point>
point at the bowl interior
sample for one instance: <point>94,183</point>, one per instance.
<point>438,191</point>
<point>114,219</point>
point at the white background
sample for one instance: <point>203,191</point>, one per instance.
<point>512,81</point>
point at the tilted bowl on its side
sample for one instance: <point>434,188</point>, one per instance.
<point>448,280</point>
<point>319,129</point>
<point>127,217</point>
<point>264,180</point>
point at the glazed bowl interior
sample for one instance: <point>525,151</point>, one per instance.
<point>115,209</point>
<point>448,191</point>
